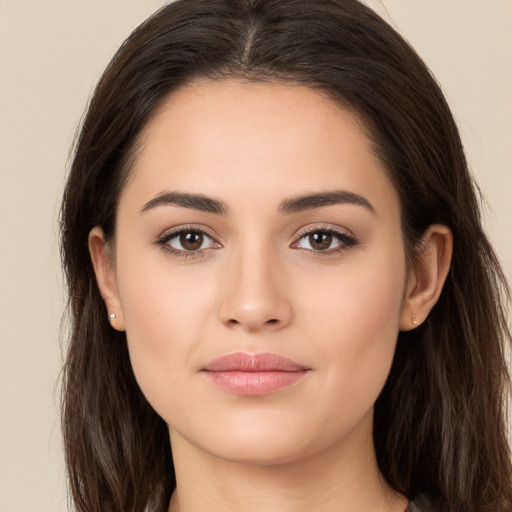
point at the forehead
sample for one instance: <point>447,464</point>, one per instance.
<point>230,138</point>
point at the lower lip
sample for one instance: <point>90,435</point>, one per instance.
<point>254,383</point>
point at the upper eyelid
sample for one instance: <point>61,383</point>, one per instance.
<point>171,232</point>
<point>327,228</point>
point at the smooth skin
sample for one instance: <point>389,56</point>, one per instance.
<point>214,254</point>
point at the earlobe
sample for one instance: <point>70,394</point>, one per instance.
<point>427,276</point>
<point>105,277</point>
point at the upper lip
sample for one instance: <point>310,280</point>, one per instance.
<point>263,362</point>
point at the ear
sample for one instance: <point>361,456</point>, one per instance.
<point>427,277</point>
<point>103,264</point>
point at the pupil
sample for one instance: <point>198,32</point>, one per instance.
<point>320,241</point>
<point>191,241</point>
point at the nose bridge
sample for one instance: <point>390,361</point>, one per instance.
<point>256,298</point>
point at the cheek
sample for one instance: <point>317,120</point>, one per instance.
<point>165,313</point>
<point>354,325</point>
<point>362,295</point>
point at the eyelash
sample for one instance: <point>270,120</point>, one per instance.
<point>163,242</point>
<point>346,241</point>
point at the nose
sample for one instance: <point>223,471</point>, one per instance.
<point>255,295</point>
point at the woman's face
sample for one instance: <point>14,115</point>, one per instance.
<point>260,271</point>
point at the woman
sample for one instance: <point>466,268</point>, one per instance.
<point>276,268</point>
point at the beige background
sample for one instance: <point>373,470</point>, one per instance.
<point>51,54</point>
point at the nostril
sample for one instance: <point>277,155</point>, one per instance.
<point>253,316</point>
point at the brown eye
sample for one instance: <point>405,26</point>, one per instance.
<point>325,240</point>
<point>189,241</point>
<point>320,241</point>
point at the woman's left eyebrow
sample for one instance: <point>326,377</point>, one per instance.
<point>319,200</point>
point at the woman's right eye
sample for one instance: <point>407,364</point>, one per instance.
<point>185,242</point>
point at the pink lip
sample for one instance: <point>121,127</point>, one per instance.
<point>253,375</point>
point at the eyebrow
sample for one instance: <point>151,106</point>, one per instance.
<point>319,200</point>
<point>194,201</point>
<point>289,206</point>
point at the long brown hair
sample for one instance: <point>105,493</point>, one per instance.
<point>439,425</point>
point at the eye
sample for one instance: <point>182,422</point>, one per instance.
<point>325,240</point>
<point>187,241</point>
<point>190,241</point>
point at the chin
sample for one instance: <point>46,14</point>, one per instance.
<point>261,452</point>
<point>258,443</point>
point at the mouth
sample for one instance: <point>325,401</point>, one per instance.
<point>253,375</point>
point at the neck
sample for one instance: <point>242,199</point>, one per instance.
<point>342,478</point>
